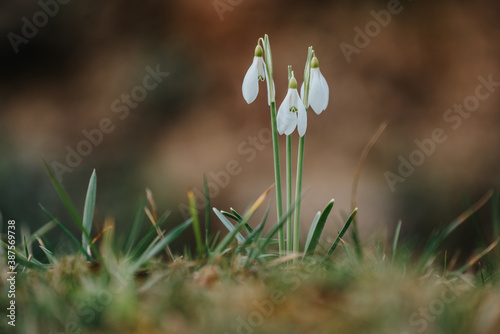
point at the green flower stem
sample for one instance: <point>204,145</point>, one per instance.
<point>289,192</point>
<point>300,157</point>
<point>298,192</point>
<point>277,176</point>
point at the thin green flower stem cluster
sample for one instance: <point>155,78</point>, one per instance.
<point>291,115</point>
<point>289,237</point>
<point>293,231</point>
<point>300,157</point>
<point>274,128</point>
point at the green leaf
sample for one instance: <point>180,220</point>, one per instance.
<point>230,215</point>
<point>63,195</point>
<point>160,245</point>
<point>26,247</point>
<point>135,228</point>
<point>207,214</point>
<point>438,237</point>
<point>317,228</point>
<point>214,241</point>
<point>142,245</point>
<point>24,261</point>
<point>342,232</point>
<point>269,238</point>
<point>68,233</point>
<point>496,213</point>
<point>395,241</point>
<point>49,255</point>
<point>255,235</point>
<point>70,207</point>
<point>88,211</point>
<point>236,214</point>
<point>196,224</point>
<point>231,228</point>
<point>41,231</point>
<point>237,218</point>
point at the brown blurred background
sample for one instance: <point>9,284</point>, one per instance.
<point>65,79</point>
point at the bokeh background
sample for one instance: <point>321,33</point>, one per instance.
<point>65,79</point>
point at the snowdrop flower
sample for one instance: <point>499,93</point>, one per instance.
<point>256,72</point>
<point>318,88</point>
<point>292,113</point>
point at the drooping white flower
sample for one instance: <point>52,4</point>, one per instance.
<point>318,88</point>
<point>291,113</point>
<point>256,72</point>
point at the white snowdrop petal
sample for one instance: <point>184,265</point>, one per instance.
<point>325,89</point>
<point>301,120</point>
<point>291,123</point>
<point>280,118</point>
<point>318,92</point>
<point>261,68</point>
<point>268,91</point>
<point>294,97</point>
<point>286,120</point>
<point>250,87</point>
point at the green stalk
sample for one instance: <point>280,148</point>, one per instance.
<point>289,192</point>
<point>289,183</point>
<point>300,157</point>
<point>277,176</point>
<point>298,192</point>
<point>274,128</point>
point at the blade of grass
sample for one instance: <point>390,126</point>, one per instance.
<point>342,232</point>
<point>26,247</point>
<point>437,239</point>
<point>237,218</point>
<point>152,203</point>
<point>68,233</point>
<point>230,227</point>
<point>196,224</point>
<point>208,223</point>
<point>496,214</point>
<point>311,230</point>
<point>258,202</point>
<point>153,217</point>
<point>395,241</point>
<point>135,228</point>
<point>354,189</point>
<point>41,231</point>
<point>63,195</point>
<point>255,235</point>
<point>171,236</point>
<point>50,256</point>
<point>236,214</point>
<point>88,211</point>
<point>476,258</point>
<point>141,245</point>
<point>213,243</point>
<point>269,237</point>
<point>466,214</point>
<point>246,216</point>
<point>230,215</point>
<point>70,207</point>
<point>317,229</point>
<point>20,259</point>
